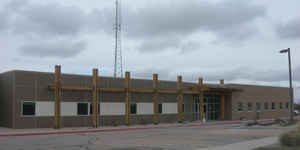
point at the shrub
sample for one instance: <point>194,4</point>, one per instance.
<point>291,139</point>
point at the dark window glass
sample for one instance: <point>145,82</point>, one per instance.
<point>287,105</point>
<point>266,106</point>
<point>160,108</point>
<point>28,108</point>
<point>82,109</point>
<point>257,107</point>
<point>273,106</point>
<point>280,105</point>
<point>132,108</point>
<point>249,107</point>
<point>240,107</point>
<point>91,109</point>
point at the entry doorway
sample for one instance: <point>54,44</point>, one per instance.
<point>211,108</point>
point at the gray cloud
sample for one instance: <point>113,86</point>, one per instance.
<point>290,29</point>
<point>59,49</point>
<point>242,73</point>
<point>51,19</point>
<point>230,20</point>
<point>182,18</point>
<point>159,44</point>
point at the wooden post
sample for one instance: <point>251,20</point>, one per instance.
<point>57,94</point>
<point>95,99</point>
<point>201,98</point>
<point>179,98</point>
<point>155,98</point>
<point>222,103</point>
<point>127,97</point>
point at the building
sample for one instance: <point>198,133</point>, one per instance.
<point>28,100</point>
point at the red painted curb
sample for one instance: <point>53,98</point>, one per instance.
<point>116,130</point>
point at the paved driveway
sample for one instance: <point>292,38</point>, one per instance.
<point>177,138</point>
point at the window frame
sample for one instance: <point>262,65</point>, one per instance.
<point>22,109</point>
<point>273,108</point>
<point>258,104</point>
<point>266,107</point>
<point>135,109</point>
<point>280,106</point>
<point>160,108</point>
<point>238,107</point>
<point>88,108</point>
<point>250,110</point>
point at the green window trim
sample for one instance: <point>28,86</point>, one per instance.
<point>240,107</point>
<point>266,106</point>
<point>249,107</point>
<point>257,107</point>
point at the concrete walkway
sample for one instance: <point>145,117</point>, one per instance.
<point>248,145</point>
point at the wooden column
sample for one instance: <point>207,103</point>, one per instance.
<point>155,98</point>
<point>179,98</point>
<point>222,103</point>
<point>201,98</point>
<point>127,97</point>
<point>57,96</point>
<point>95,99</point>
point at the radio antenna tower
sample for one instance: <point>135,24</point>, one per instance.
<point>118,65</point>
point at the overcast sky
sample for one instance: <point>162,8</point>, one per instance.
<point>231,39</point>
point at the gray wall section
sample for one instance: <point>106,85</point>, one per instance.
<point>33,86</point>
<point>6,99</point>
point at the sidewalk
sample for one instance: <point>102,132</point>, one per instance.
<point>248,145</point>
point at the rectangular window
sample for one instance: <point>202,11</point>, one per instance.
<point>266,106</point>
<point>183,108</point>
<point>273,106</point>
<point>257,107</point>
<point>280,106</point>
<point>240,107</point>
<point>249,107</point>
<point>28,108</point>
<point>160,108</point>
<point>132,108</point>
<point>91,109</point>
<point>82,108</point>
<point>287,105</point>
<point>196,108</point>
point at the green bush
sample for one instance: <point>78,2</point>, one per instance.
<point>291,139</point>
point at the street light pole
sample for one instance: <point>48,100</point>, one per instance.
<point>291,84</point>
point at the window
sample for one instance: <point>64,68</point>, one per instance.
<point>132,108</point>
<point>28,108</point>
<point>160,108</point>
<point>91,109</point>
<point>273,106</point>
<point>266,106</point>
<point>249,107</point>
<point>257,107</point>
<point>280,106</point>
<point>82,108</point>
<point>240,107</point>
<point>196,106</point>
<point>183,108</point>
<point>287,105</point>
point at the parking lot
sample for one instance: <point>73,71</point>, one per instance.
<point>173,138</point>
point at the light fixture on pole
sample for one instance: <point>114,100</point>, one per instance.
<point>291,84</point>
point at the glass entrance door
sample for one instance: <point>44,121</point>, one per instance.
<point>212,107</point>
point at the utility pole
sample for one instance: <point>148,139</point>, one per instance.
<point>288,50</point>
